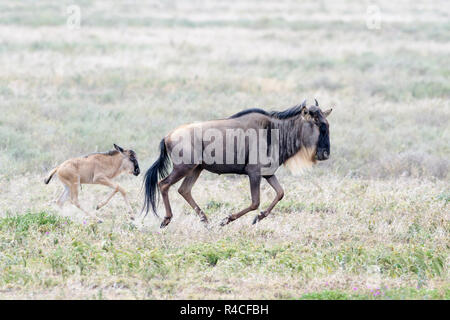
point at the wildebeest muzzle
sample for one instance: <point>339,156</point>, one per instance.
<point>136,170</point>
<point>322,154</point>
<point>323,145</point>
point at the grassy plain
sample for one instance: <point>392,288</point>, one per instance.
<point>370,223</point>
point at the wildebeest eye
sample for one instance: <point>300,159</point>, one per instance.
<point>314,114</point>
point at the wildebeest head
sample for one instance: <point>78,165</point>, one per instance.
<point>318,118</point>
<point>130,162</point>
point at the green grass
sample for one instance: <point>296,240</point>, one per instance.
<point>395,294</point>
<point>44,250</point>
<point>42,221</point>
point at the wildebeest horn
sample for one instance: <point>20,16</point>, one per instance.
<point>304,103</point>
<point>118,148</point>
<point>317,104</point>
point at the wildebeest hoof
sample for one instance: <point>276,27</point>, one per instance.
<point>259,217</point>
<point>226,221</point>
<point>97,207</point>
<point>207,226</point>
<point>165,222</point>
<point>99,221</point>
<point>205,223</point>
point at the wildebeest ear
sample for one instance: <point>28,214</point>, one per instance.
<point>118,148</point>
<point>303,103</point>
<point>326,113</point>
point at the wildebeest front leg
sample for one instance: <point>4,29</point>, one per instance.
<point>273,181</point>
<point>116,188</point>
<point>104,202</point>
<point>255,182</point>
<point>185,191</point>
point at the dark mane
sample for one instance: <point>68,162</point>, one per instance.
<point>247,111</point>
<point>107,153</point>
<point>289,138</point>
<point>288,113</point>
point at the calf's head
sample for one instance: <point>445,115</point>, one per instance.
<point>129,160</point>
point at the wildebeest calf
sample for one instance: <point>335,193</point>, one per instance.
<point>95,168</point>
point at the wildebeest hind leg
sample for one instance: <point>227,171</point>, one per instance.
<point>272,180</point>
<point>176,175</point>
<point>59,196</point>
<point>255,182</point>
<point>63,197</point>
<point>185,190</point>
<point>74,199</point>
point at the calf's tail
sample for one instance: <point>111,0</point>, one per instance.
<point>50,175</point>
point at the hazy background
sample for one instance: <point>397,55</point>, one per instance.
<point>127,72</point>
<point>135,69</point>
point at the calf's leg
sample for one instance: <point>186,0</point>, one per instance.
<point>117,188</point>
<point>63,197</point>
<point>74,199</point>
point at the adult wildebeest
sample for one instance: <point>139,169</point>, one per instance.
<point>95,168</point>
<point>296,137</point>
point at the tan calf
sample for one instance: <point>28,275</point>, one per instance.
<point>95,168</point>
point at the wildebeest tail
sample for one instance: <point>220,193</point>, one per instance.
<point>158,170</point>
<point>50,175</point>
